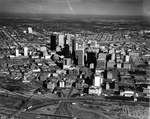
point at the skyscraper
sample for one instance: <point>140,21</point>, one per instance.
<point>80,56</point>
<point>25,51</point>
<point>53,42</point>
<point>91,57</point>
<point>101,61</point>
<point>77,45</point>
<point>69,36</point>
<point>61,40</point>
<point>73,44</point>
<point>73,49</point>
<point>66,50</point>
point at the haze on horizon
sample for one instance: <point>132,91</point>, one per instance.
<point>88,7</point>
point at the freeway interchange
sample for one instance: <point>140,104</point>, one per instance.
<point>64,110</point>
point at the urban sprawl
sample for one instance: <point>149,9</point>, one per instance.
<point>105,66</point>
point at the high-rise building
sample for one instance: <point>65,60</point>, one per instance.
<point>53,42</point>
<point>91,57</point>
<point>44,51</point>
<point>30,30</point>
<point>113,56</point>
<point>73,44</point>
<point>101,61</point>
<point>73,49</point>
<point>61,40</point>
<point>68,41</point>
<point>127,58</point>
<point>97,81</point>
<point>17,52</point>
<point>80,56</point>
<point>66,50</point>
<point>77,46</point>
<point>101,64</point>
<point>25,51</point>
<point>69,36</point>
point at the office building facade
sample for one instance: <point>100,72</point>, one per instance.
<point>53,42</point>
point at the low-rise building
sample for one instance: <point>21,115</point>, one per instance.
<point>95,90</point>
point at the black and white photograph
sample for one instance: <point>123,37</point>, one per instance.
<point>74,59</point>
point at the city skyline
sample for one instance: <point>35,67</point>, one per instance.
<point>88,7</point>
<point>74,59</point>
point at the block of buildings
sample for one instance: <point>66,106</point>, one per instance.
<point>98,80</point>
<point>95,90</point>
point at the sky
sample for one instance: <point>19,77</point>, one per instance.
<point>92,7</point>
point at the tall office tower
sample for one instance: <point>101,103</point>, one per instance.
<point>113,57</point>
<point>25,51</point>
<point>77,46</point>
<point>69,36</point>
<point>73,44</point>
<point>30,30</point>
<point>80,56</point>
<point>17,52</point>
<point>73,49</point>
<point>66,50</point>
<point>53,42</point>
<point>101,61</point>
<point>61,40</point>
<point>91,57</point>
<point>65,40</point>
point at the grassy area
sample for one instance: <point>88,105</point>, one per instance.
<point>120,110</point>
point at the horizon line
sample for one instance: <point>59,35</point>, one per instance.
<point>71,14</point>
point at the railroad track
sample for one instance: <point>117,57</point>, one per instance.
<point>65,106</point>
<point>5,113</point>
